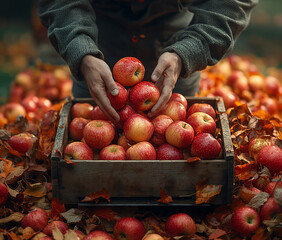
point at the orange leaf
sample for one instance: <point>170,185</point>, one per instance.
<point>193,159</point>
<point>106,213</point>
<point>261,114</point>
<point>8,167</point>
<point>217,233</point>
<point>96,195</point>
<point>204,192</point>
<point>13,236</point>
<point>261,234</point>
<point>57,208</point>
<point>12,151</point>
<point>165,198</point>
<point>246,171</point>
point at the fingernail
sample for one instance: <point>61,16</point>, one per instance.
<point>114,92</point>
<point>154,77</point>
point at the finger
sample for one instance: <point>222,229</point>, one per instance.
<point>111,84</point>
<point>159,70</point>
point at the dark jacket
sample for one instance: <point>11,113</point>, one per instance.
<point>201,32</point>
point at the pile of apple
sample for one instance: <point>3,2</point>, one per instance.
<point>175,133</point>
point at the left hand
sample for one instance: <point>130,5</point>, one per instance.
<point>165,75</point>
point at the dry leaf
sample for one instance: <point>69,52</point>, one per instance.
<point>73,215</point>
<point>217,233</point>
<point>8,167</point>
<point>35,190</point>
<point>245,171</point>
<point>15,174</point>
<point>165,198</point>
<point>106,213</point>
<point>70,235</point>
<point>193,159</point>
<point>258,200</point>
<point>14,217</point>
<point>261,234</point>
<point>57,234</point>
<point>57,208</point>
<point>204,192</point>
<point>278,196</point>
<point>97,195</point>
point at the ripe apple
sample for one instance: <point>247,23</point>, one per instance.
<point>202,123</point>
<point>245,221</point>
<point>65,88</point>
<point>81,110</point>
<point>180,224</point>
<point>205,146</point>
<point>80,235</point>
<point>78,151</point>
<point>272,187</point>
<point>37,219</point>
<point>228,96</point>
<point>119,100</point>
<point>271,157</point>
<point>98,133</point>
<point>47,79</point>
<point>30,103</point>
<point>98,114</point>
<point>257,143</point>
<point>169,152</point>
<point>22,142</point>
<point>112,152</point>
<point>129,228</point>
<point>238,81</point>
<point>16,93</point>
<point>247,193</point>
<point>143,96</point>
<point>98,235</point>
<point>179,98</point>
<point>60,225</point>
<point>269,105</point>
<point>256,82</point>
<point>128,71</point>
<point>13,110</point>
<point>51,93</point>
<point>44,104</point>
<point>141,151</point>
<point>138,128</point>
<point>3,193</point>
<point>271,86</point>
<point>201,107</point>
<point>23,79</point>
<point>153,236</point>
<point>269,209</point>
<point>124,142</point>
<point>179,134</point>
<point>76,127</point>
<point>175,110</point>
<point>125,112</point>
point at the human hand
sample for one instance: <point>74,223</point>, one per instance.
<point>165,75</point>
<point>98,77</point>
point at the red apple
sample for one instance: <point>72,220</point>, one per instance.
<point>98,114</point>
<point>112,152</point>
<point>175,110</point>
<point>13,110</point>
<point>22,142</point>
<point>51,93</point>
<point>269,105</point>
<point>78,151</point>
<point>245,221</point>
<point>3,193</point>
<point>169,152</point>
<point>143,96</point>
<point>228,96</point>
<point>60,225</point>
<point>247,193</point>
<point>37,219</point>
<point>65,88</point>
<point>129,228</point>
<point>23,79</point>
<point>119,100</point>
<point>256,82</point>
<point>124,142</point>
<point>98,133</point>
<point>272,187</point>
<point>201,107</point>
<point>153,236</point>
<point>180,224</point>
<point>141,151</point>
<point>16,93</point>
<point>238,81</point>
<point>30,103</point>
<point>205,146</point>
<point>80,235</point>
<point>125,112</point>
<point>271,157</point>
<point>81,110</point>
<point>269,209</point>
<point>128,71</point>
<point>179,134</point>
<point>98,235</point>
<point>202,123</point>
<point>47,79</point>
<point>76,128</point>
<point>138,128</point>
<point>271,86</point>
<point>257,143</point>
<point>179,98</point>
<point>44,104</point>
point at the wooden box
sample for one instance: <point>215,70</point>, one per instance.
<point>138,183</point>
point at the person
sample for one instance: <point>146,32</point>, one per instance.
<point>174,39</point>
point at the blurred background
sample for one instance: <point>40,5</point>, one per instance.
<point>23,41</point>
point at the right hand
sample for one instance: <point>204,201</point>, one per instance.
<point>99,79</point>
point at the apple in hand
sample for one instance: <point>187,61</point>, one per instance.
<point>128,71</point>
<point>202,123</point>
<point>129,228</point>
<point>63,227</point>
<point>37,219</point>
<point>119,100</point>
<point>81,110</point>
<point>98,114</point>
<point>3,193</point>
<point>201,107</point>
<point>76,127</point>
<point>180,224</point>
<point>179,134</point>
<point>98,133</point>
<point>112,152</point>
<point>169,152</point>
<point>205,146</point>
<point>269,209</point>
<point>13,110</point>
<point>98,235</point>
<point>175,110</point>
<point>179,98</point>
<point>143,96</point>
<point>141,151</point>
<point>78,151</point>
<point>22,142</point>
<point>245,221</point>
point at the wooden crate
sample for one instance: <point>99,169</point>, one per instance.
<point>131,182</point>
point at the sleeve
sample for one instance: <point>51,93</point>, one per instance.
<point>212,33</point>
<point>71,30</point>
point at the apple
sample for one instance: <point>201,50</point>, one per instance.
<point>272,187</point>
<point>141,151</point>
<point>16,93</point>
<point>169,152</point>
<point>98,114</point>
<point>153,236</point>
<point>44,104</point>
<point>201,107</point>
<point>271,157</point>
<point>179,134</point>
<point>202,123</point>
<point>238,81</point>
<point>65,88</point>
<point>76,127</point>
<point>3,193</point>
<point>260,182</point>
<point>47,79</point>
<point>138,128</point>
<point>37,219</point>
<point>13,110</point>
<point>80,235</point>
<point>63,227</point>
<point>22,142</point>
<point>247,193</point>
<point>129,228</point>
<point>112,152</point>
<point>41,237</point>
<point>228,96</point>
<point>179,98</point>
<point>205,146</point>
<point>175,110</point>
<point>98,133</point>
<point>180,224</point>
<point>245,221</point>
<point>143,96</point>
<point>269,209</point>
<point>271,86</point>
<point>78,151</point>
<point>125,112</point>
<point>128,71</point>
<point>119,100</point>
<point>81,110</point>
<point>30,103</point>
<point>23,79</point>
<point>256,82</point>
<point>98,235</point>
<point>51,93</point>
<point>259,142</point>
<point>124,142</point>
<point>269,105</point>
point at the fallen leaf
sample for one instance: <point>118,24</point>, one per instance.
<point>217,233</point>
<point>106,213</point>
<point>57,208</point>
<point>204,192</point>
<point>258,200</point>
<point>35,190</point>
<point>193,159</point>
<point>262,233</point>
<point>14,217</point>
<point>165,198</point>
<point>245,171</point>
<point>73,215</point>
<point>15,174</point>
<point>70,235</point>
<point>57,234</point>
<point>8,167</point>
<point>5,135</point>
<point>95,196</point>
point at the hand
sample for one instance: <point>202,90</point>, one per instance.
<point>165,75</point>
<point>98,77</point>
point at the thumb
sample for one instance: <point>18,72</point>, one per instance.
<point>111,86</point>
<point>158,71</point>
